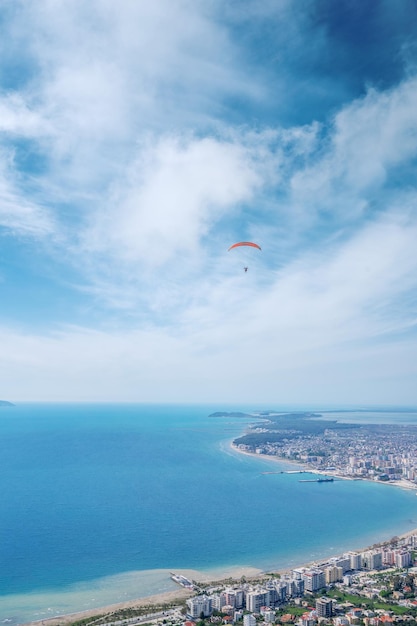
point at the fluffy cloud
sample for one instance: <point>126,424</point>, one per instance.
<point>368,138</point>
<point>122,145</point>
<point>174,192</point>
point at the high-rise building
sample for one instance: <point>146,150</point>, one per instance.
<point>199,606</point>
<point>235,597</point>
<point>372,560</point>
<point>403,559</point>
<point>333,574</point>
<point>256,599</point>
<point>355,561</point>
<point>218,601</point>
<point>314,579</point>
<point>324,607</point>
<point>343,562</point>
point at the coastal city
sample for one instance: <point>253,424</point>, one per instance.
<point>208,312</point>
<point>373,587</point>
<point>372,452</point>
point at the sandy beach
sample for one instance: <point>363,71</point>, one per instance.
<point>181,594</point>
<point>162,598</point>
<point>178,595</point>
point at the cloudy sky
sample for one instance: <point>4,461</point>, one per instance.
<point>139,140</point>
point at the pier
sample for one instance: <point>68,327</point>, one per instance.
<point>317,480</point>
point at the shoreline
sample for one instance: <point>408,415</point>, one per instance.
<point>402,484</point>
<point>166,597</point>
<point>216,576</point>
<point>181,594</point>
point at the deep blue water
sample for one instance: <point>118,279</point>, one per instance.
<point>90,492</point>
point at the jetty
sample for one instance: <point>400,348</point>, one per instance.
<point>317,480</point>
<point>182,580</point>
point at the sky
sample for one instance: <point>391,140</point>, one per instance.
<point>140,140</point>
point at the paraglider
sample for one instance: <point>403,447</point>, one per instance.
<point>249,244</point>
<point>245,243</point>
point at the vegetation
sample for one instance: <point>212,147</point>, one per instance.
<point>368,603</point>
<point>290,426</point>
<point>127,613</point>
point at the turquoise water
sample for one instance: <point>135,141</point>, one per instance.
<point>99,502</point>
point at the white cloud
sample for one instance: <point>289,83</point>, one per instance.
<point>19,215</point>
<point>16,117</point>
<point>174,192</point>
<point>142,185</point>
<point>368,139</point>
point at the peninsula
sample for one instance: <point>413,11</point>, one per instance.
<point>381,452</point>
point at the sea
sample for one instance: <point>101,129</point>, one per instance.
<point>100,502</point>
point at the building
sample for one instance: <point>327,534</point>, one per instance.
<point>249,620</point>
<point>308,619</point>
<point>372,560</point>
<point>355,561</point>
<point>333,574</point>
<point>343,562</point>
<point>403,559</point>
<point>256,599</point>
<point>218,601</point>
<point>314,579</point>
<point>324,607</point>
<point>199,606</point>
<point>234,597</point>
<point>268,614</point>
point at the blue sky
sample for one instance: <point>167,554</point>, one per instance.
<point>139,140</point>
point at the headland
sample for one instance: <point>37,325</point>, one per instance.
<point>384,453</point>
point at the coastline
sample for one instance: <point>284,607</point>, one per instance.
<point>167,597</point>
<point>181,594</point>
<point>402,484</point>
<point>102,611</point>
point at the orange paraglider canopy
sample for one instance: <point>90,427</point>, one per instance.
<point>245,243</point>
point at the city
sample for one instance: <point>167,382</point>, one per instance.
<point>383,574</point>
<point>384,452</point>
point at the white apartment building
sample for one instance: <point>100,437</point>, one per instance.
<point>218,601</point>
<point>268,614</point>
<point>403,559</point>
<point>256,599</point>
<point>314,579</point>
<point>355,560</point>
<point>372,560</point>
<point>199,606</point>
<point>249,620</point>
<point>343,562</point>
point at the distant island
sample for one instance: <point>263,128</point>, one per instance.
<point>230,414</point>
<point>5,403</point>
